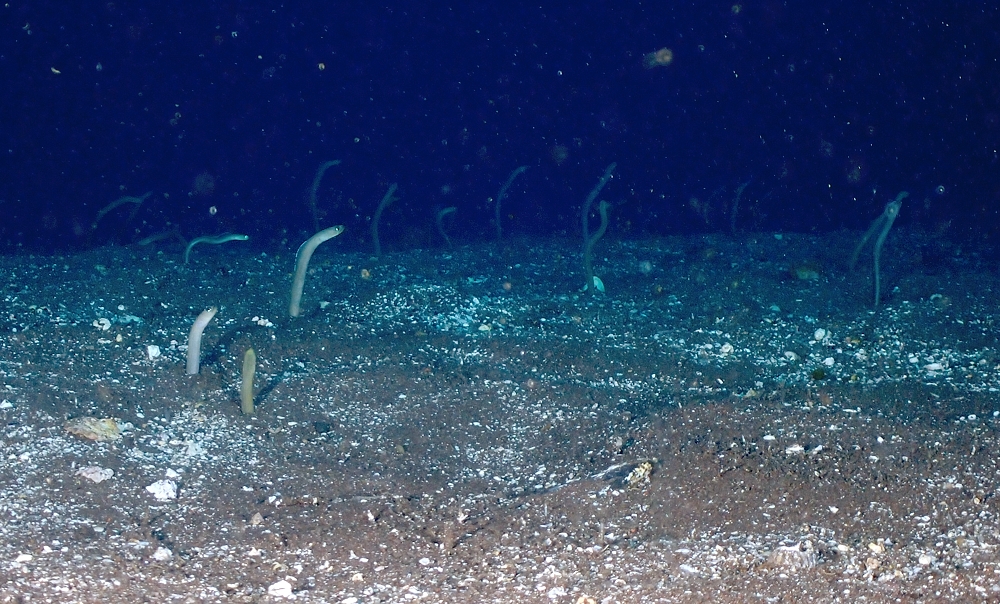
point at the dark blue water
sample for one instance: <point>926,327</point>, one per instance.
<point>753,116</point>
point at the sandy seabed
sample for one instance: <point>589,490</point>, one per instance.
<point>729,422</point>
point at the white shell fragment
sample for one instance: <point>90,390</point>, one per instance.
<point>162,554</point>
<point>281,589</point>
<point>791,558</point>
<point>95,473</point>
<point>163,490</point>
<point>153,351</point>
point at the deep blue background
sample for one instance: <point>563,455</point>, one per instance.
<point>447,100</point>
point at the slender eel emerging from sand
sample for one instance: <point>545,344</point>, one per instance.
<point>217,239</point>
<point>884,222</point>
<point>246,383</point>
<point>302,264</point>
<point>118,202</point>
<point>194,339</point>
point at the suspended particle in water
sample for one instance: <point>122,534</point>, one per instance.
<point>660,58</point>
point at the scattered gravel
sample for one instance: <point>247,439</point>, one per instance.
<point>729,422</point>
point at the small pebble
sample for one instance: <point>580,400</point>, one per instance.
<point>281,589</point>
<point>163,490</point>
<point>95,473</point>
